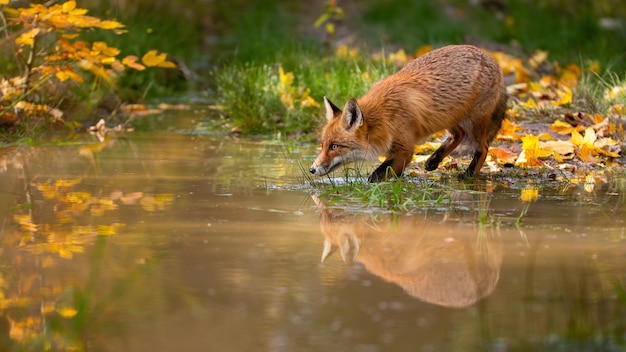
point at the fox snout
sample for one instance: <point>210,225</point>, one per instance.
<point>318,170</point>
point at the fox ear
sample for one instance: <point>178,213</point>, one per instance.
<point>331,109</point>
<point>353,115</point>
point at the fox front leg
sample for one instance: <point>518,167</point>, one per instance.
<point>392,166</point>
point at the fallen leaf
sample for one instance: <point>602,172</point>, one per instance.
<point>503,156</point>
<point>508,131</point>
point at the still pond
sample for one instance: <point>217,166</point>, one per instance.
<point>182,241</point>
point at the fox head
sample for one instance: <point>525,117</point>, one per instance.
<point>344,138</point>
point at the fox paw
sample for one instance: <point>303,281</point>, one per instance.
<point>431,164</point>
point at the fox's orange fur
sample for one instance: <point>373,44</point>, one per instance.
<point>458,88</point>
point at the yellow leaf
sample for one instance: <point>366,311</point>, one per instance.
<point>309,102</point>
<point>562,127</point>
<point>107,60</point>
<point>426,148</point>
<point>28,38</point>
<point>96,70</point>
<point>78,12</point>
<point>111,25</point>
<point>344,51</point>
<point>529,104</point>
<point>564,96</point>
<point>69,6</point>
<point>587,154</point>
<point>64,75</point>
<point>569,76</point>
<point>545,136</point>
<point>423,50</point>
<point>167,64</point>
<point>531,152</point>
<point>153,59</point>
<point>399,57</point>
<point>67,312</point>
<point>560,149</point>
<point>330,28</point>
<point>4,2</point>
<point>538,58</point>
<point>131,61</point>
<point>508,131</point>
<point>590,136</point>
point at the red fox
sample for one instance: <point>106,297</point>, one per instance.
<point>458,88</point>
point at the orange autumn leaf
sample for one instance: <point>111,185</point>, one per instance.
<point>131,61</point>
<point>503,156</point>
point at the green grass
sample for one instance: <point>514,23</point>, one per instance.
<point>249,94</point>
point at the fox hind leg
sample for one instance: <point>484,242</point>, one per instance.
<point>456,137</point>
<point>478,160</point>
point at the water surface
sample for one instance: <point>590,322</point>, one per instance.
<point>173,241</point>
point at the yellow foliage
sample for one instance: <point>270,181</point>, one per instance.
<point>67,312</point>
<point>422,50</point>
<point>562,127</point>
<point>589,146</point>
<point>63,55</point>
<point>131,61</point>
<point>289,94</point>
<point>508,131</point>
<point>345,52</point>
<point>28,38</point>
<point>153,59</point>
<point>511,65</point>
<point>531,152</point>
<point>564,97</point>
<point>64,75</point>
<point>426,148</point>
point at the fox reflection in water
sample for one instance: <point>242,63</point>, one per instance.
<point>447,263</point>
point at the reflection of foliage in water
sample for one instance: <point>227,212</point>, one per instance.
<point>67,235</point>
<point>42,310</point>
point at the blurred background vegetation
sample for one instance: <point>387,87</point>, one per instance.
<point>229,52</point>
<point>208,32</point>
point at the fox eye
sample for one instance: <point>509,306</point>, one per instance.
<point>333,146</point>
